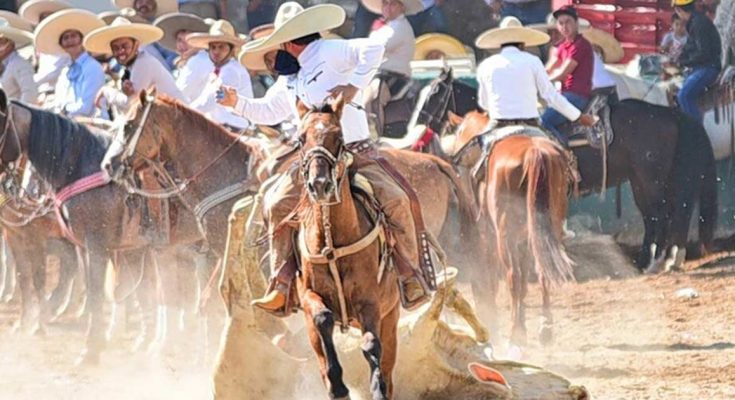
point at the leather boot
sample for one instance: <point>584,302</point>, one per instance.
<point>274,300</point>
<point>414,292</point>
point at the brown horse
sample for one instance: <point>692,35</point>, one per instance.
<point>524,195</point>
<point>342,260</point>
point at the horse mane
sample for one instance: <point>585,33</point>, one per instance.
<point>61,149</point>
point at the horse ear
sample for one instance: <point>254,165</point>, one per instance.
<point>338,105</point>
<point>3,102</point>
<point>450,74</point>
<point>301,108</point>
<point>454,119</point>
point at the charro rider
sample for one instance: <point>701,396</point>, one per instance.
<point>123,39</point>
<point>222,44</point>
<point>78,84</point>
<point>149,10</point>
<point>321,69</point>
<point>16,73</point>
<point>511,81</point>
<point>397,36</point>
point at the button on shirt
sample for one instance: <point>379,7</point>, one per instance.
<point>145,73</point>
<point>400,44</point>
<point>77,87</point>
<point>231,74</point>
<point>17,79</point>
<point>510,83</point>
<point>324,65</point>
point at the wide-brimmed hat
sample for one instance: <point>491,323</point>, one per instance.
<point>98,41</point>
<point>173,23</point>
<point>255,61</point>
<point>220,31</point>
<point>18,36</point>
<point>376,6</point>
<point>612,50</point>
<point>50,29</point>
<point>163,6</point>
<point>293,21</point>
<point>127,13</point>
<point>511,31</point>
<point>31,10</point>
<point>446,44</point>
<point>16,21</point>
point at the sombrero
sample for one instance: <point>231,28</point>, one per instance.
<point>50,29</point>
<point>127,13</point>
<point>220,31</point>
<point>511,31</point>
<point>163,6</point>
<point>612,50</point>
<point>173,23</point>
<point>31,10</point>
<point>376,6</point>
<point>447,45</point>
<point>293,21</point>
<point>98,41</point>
<point>18,36</point>
<point>255,61</point>
<point>16,21</point>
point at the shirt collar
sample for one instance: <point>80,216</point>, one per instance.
<point>9,58</point>
<point>510,49</point>
<point>308,50</point>
<point>82,58</point>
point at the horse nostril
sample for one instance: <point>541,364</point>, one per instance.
<point>310,187</point>
<point>327,187</point>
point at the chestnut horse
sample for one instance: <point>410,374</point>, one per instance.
<point>342,260</point>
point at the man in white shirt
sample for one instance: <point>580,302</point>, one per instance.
<point>318,70</point>
<point>62,34</point>
<point>511,81</point>
<point>175,27</point>
<point>16,73</point>
<point>123,39</point>
<point>149,10</point>
<point>222,44</point>
<point>396,35</point>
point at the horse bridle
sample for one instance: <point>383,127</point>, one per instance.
<point>321,152</point>
<point>446,100</point>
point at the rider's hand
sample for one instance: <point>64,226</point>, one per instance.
<point>347,91</point>
<point>587,120</point>
<point>228,96</point>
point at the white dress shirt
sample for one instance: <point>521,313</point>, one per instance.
<point>49,70</point>
<point>510,83</point>
<point>324,65</point>
<point>17,79</point>
<point>77,87</point>
<point>600,77</point>
<point>192,77</point>
<point>146,72</point>
<point>231,74</point>
<point>400,44</point>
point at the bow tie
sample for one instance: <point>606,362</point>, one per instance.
<point>377,24</point>
<point>74,72</point>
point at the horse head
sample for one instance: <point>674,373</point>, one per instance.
<point>133,137</point>
<point>322,151</point>
<point>436,101</point>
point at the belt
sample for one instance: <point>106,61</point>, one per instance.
<point>499,123</point>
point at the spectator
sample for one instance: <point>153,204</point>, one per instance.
<point>16,74</point>
<point>432,19</point>
<point>674,41</point>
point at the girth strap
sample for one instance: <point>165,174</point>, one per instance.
<point>219,197</point>
<point>85,184</point>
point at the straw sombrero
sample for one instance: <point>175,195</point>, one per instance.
<point>18,36</point>
<point>16,21</point>
<point>98,41</point>
<point>50,29</point>
<point>127,13</point>
<point>163,6</point>
<point>293,21</point>
<point>173,23</point>
<point>447,45</point>
<point>612,50</point>
<point>376,6</point>
<point>511,31</point>
<point>220,31</point>
<point>31,10</point>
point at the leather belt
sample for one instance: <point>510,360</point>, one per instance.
<point>499,123</point>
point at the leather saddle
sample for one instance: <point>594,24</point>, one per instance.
<point>594,136</point>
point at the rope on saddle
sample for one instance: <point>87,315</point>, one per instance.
<point>80,186</point>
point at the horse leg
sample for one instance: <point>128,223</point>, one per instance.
<point>68,263</point>
<point>24,267</point>
<point>144,299</point>
<point>373,333</point>
<point>4,269</point>
<point>320,325</point>
<point>518,287</point>
<point>389,346</point>
<point>546,333</point>
<point>38,263</point>
<point>96,271</point>
<point>10,284</point>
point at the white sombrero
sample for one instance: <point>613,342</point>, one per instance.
<point>16,21</point>
<point>220,31</point>
<point>98,41</point>
<point>32,9</point>
<point>18,36</point>
<point>296,22</point>
<point>447,45</point>
<point>173,23</point>
<point>162,6</point>
<point>50,29</point>
<point>255,61</point>
<point>127,13</point>
<point>376,6</point>
<point>511,31</point>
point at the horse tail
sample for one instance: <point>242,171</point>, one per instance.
<point>545,207</point>
<point>465,205</point>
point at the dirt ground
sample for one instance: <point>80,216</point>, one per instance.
<point>622,339</point>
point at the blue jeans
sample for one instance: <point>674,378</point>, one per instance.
<point>533,12</point>
<point>363,21</point>
<point>693,87</point>
<point>552,118</point>
<point>431,20</point>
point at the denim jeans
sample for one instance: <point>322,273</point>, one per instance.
<point>552,118</point>
<point>431,20</point>
<point>693,87</point>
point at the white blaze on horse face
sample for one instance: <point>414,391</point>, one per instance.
<point>320,127</point>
